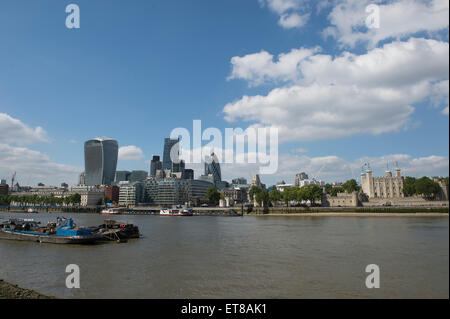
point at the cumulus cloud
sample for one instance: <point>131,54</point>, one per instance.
<point>292,13</point>
<point>350,94</point>
<point>16,132</point>
<point>398,19</point>
<point>130,152</point>
<point>34,166</point>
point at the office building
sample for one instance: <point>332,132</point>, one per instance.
<point>155,165</point>
<point>100,160</point>
<point>212,167</point>
<point>188,173</point>
<point>4,189</point>
<point>122,176</point>
<point>300,177</point>
<point>137,176</point>
<point>171,146</point>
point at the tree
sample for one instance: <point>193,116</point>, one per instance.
<point>275,195</point>
<point>351,186</point>
<point>409,186</point>
<point>262,198</point>
<point>252,191</point>
<point>427,188</point>
<point>312,192</point>
<point>213,196</point>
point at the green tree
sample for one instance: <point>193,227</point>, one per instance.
<point>275,195</point>
<point>253,191</point>
<point>312,192</point>
<point>213,196</point>
<point>409,186</point>
<point>351,186</point>
<point>263,198</point>
<point>427,187</point>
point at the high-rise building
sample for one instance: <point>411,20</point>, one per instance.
<point>100,161</point>
<point>82,179</point>
<point>170,143</point>
<point>155,165</point>
<point>239,181</point>
<point>3,182</point>
<point>188,173</point>
<point>138,176</point>
<point>122,176</point>
<point>300,177</point>
<point>212,167</point>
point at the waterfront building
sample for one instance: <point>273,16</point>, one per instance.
<point>170,143</point>
<point>282,187</point>
<point>256,181</point>
<point>207,178</point>
<point>100,160</point>
<point>155,165</point>
<point>235,194</point>
<point>112,193</point>
<point>212,167</point>
<point>3,182</point>
<point>137,176</point>
<point>300,177</point>
<point>382,187</point>
<point>131,194</point>
<point>313,181</point>
<point>341,200</point>
<point>122,176</point>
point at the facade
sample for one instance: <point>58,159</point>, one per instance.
<point>382,187</point>
<point>2,181</point>
<point>82,179</point>
<point>137,176</point>
<point>112,193</point>
<point>168,145</point>
<point>313,181</point>
<point>212,167</point>
<point>155,165</point>
<point>256,181</point>
<point>239,181</point>
<point>4,189</point>
<point>131,194</point>
<point>188,174</point>
<point>100,160</point>
<point>341,200</point>
<point>122,176</point>
<point>300,177</point>
<point>235,194</point>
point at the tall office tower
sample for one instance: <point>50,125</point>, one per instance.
<point>178,167</point>
<point>122,176</point>
<point>155,165</point>
<point>100,161</point>
<point>212,167</point>
<point>82,179</point>
<point>138,176</point>
<point>168,145</point>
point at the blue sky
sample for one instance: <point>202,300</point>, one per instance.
<point>137,69</point>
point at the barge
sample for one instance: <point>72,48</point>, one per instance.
<point>64,231</point>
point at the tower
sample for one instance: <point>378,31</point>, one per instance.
<point>100,161</point>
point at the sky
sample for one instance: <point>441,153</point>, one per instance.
<point>340,89</point>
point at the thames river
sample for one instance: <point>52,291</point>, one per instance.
<point>241,257</point>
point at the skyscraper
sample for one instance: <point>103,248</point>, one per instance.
<point>100,161</point>
<point>167,160</point>
<point>212,167</point>
<point>155,165</point>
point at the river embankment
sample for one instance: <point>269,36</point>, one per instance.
<point>11,291</point>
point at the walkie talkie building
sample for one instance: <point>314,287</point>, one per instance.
<point>100,161</point>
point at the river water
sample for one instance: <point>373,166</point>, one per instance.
<point>242,257</point>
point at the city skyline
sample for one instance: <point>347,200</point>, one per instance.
<point>390,104</point>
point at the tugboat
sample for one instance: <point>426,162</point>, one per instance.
<point>64,231</point>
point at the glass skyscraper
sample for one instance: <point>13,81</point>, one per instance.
<point>100,161</point>
<point>212,167</point>
<point>168,144</point>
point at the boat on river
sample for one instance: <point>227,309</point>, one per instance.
<point>64,231</point>
<point>176,212</point>
<point>115,230</point>
<point>111,211</point>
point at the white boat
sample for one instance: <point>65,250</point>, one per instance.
<point>176,212</point>
<point>32,211</point>
<point>110,211</point>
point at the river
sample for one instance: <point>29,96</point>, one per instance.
<point>241,257</point>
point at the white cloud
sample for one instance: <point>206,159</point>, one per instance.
<point>33,166</point>
<point>398,19</point>
<point>350,94</point>
<point>13,131</point>
<point>130,152</point>
<point>293,13</point>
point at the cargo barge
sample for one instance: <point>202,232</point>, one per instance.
<point>64,231</point>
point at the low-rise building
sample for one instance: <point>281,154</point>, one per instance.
<point>382,187</point>
<point>4,188</point>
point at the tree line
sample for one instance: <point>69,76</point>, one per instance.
<point>424,186</point>
<point>23,200</point>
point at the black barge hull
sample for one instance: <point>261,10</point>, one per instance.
<point>54,239</point>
